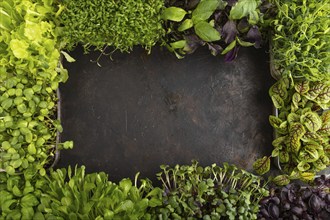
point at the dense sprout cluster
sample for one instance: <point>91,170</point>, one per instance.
<point>212,192</point>
<point>30,74</point>
<point>298,202</point>
<point>300,39</point>
<point>118,24</point>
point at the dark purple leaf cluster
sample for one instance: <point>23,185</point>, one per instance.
<point>296,202</point>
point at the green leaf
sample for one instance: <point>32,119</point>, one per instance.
<point>66,201</point>
<point>154,202</point>
<point>178,44</point>
<point>277,101</point>
<point>275,152</point>
<point>281,180</point>
<point>303,166</point>
<point>174,14</point>
<point>309,153</point>
<point>68,57</point>
<point>302,87</point>
<point>186,24</point>
<point>206,32</point>
<point>312,121</point>
<point>29,200</point>
<point>296,99</point>
<point>7,103</point>
<point>293,118</point>
<point>19,48</point>
<point>262,165</point>
<point>125,185</point>
<point>22,108</point>
<point>275,121</point>
<point>28,93</point>
<point>243,8</point>
<point>204,10</point>
<point>244,43</point>
<point>10,170</point>
<point>284,156</point>
<point>229,47</point>
<point>307,176</point>
<point>68,145</point>
<point>124,206</point>
<point>296,132</point>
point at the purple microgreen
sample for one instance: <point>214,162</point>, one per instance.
<point>231,55</point>
<point>229,31</point>
<point>254,36</point>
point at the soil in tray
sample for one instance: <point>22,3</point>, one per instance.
<point>140,111</point>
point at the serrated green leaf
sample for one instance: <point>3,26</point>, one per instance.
<point>262,165</point>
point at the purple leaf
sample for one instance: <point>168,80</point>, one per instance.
<point>315,203</point>
<point>193,42</point>
<point>231,55</point>
<point>229,31</point>
<point>264,212</point>
<point>215,48</point>
<point>231,2</point>
<point>274,211</point>
<point>297,211</point>
<point>243,25</point>
<point>254,36</point>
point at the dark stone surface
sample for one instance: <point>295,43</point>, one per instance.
<point>140,111</point>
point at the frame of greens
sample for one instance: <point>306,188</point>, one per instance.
<point>33,35</point>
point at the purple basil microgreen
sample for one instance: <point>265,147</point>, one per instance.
<point>193,42</point>
<point>243,25</point>
<point>214,48</point>
<point>254,36</point>
<point>273,211</point>
<point>229,31</point>
<point>298,202</point>
<point>231,55</point>
<point>297,211</point>
<point>315,203</point>
<point>231,2</point>
<point>192,4</point>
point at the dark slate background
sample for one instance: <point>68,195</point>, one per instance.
<point>140,111</point>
